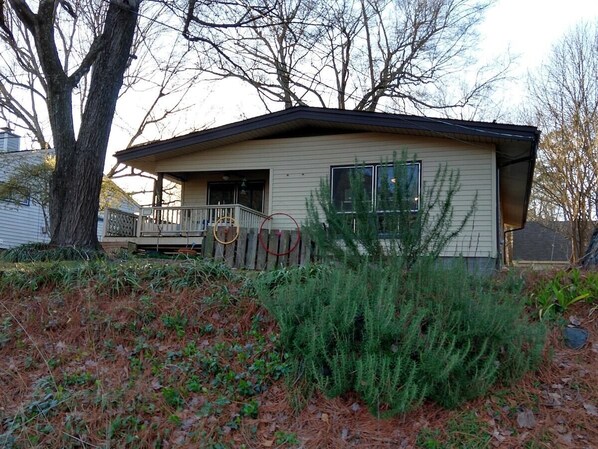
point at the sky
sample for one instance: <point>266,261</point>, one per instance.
<point>525,29</point>
<point>529,29</point>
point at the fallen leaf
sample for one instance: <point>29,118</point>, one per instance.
<point>268,443</point>
<point>561,419</point>
<point>526,419</point>
<point>324,417</point>
<point>591,409</point>
<point>496,434</point>
<point>553,399</point>
<point>567,439</point>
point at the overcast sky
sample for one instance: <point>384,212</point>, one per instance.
<point>531,27</point>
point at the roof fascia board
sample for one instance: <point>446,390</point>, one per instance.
<point>269,124</point>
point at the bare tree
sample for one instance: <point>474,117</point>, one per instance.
<point>80,153</point>
<point>565,104</point>
<point>351,54</point>
<point>158,73</point>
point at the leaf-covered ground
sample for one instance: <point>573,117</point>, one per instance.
<point>202,369</point>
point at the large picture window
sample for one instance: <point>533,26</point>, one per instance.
<point>379,185</point>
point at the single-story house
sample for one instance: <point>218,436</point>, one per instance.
<point>271,163</point>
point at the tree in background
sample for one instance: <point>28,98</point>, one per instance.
<point>28,179</point>
<point>350,54</point>
<point>564,104</point>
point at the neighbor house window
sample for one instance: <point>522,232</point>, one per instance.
<point>379,185</point>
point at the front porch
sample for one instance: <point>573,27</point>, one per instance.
<point>175,226</point>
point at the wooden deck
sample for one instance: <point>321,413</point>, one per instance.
<point>175,226</point>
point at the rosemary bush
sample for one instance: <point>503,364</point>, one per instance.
<point>398,338</point>
<point>388,321</point>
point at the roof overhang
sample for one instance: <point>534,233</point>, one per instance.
<point>515,145</point>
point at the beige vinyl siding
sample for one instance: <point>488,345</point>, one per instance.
<point>297,164</point>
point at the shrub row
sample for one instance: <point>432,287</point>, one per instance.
<point>115,278</point>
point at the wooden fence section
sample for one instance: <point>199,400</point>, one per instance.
<point>247,252</point>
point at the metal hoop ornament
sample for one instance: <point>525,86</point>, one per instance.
<point>265,245</point>
<point>215,230</point>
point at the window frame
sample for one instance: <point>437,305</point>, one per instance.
<point>344,167</point>
<point>418,164</point>
<point>374,199</point>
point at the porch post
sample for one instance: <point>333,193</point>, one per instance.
<point>158,186</point>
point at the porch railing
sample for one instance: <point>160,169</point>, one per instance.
<point>192,221</point>
<point>118,223</point>
<point>183,221</point>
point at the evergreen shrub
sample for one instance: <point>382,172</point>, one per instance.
<point>399,338</point>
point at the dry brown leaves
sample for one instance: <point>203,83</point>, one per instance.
<point>63,333</point>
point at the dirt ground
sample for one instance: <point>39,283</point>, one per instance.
<point>111,361</point>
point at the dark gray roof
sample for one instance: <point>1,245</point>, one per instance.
<point>516,145</point>
<point>538,242</point>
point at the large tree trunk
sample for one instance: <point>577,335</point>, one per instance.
<point>591,257</point>
<point>77,179</point>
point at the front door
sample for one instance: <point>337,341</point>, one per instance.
<point>247,193</point>
<point>221,193</point>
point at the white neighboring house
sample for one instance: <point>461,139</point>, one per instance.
<point>22,221</point>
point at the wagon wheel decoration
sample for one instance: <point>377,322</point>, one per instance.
<point>293,246</point>
<point>231,224</point>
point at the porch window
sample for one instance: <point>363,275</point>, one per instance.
<point>247,193</point>
<point>221,193</point>
<point>379,184</point>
